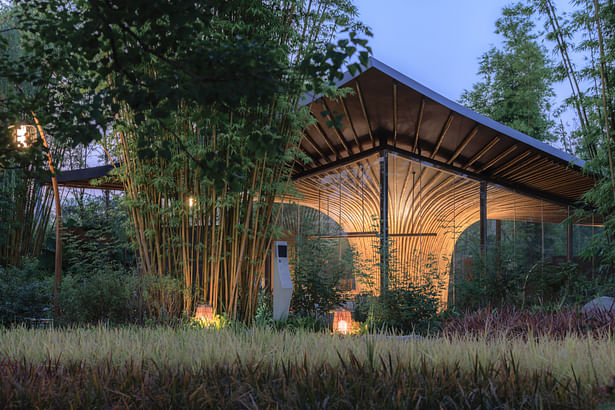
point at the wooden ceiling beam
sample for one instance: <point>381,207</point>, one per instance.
<point>463,144</point>
<point>354,132</point>
<point>364,109</point>
<point>497,158</point>
<point>314,145</point>
<point>327,140</point>
<point>512,162</point>
<point>481,152</point>
<point>337,131</point>
<point>418,126</point>
<point>445,128</point>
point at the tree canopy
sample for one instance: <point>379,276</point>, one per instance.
<point>516,87</point>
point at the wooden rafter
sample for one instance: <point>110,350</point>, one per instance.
<point>329,143</point>
<point>418,126</point>
<point>512,162</point>
<point>445,128</point>
<point>497,158</point>
<point>336,130</point>
<point>309,139</point>
<point>463,144</point>
<point>364,110</point>
<point>481,152</point>
<point>351,124</point>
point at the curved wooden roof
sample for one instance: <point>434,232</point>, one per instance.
<point>389,110</point>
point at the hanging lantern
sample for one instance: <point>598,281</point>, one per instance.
<point>342,321</point>
<point>204,312</point>
<point>24,135</point>
<point>190,202</point>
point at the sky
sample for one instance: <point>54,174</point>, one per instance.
<point>435,42</point>
<point>438,43</point>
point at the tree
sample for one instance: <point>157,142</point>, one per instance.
<point>590,31</point>
<point>516,88</point>
<point>199,104</point>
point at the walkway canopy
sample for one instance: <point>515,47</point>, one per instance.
<point>393,161</point>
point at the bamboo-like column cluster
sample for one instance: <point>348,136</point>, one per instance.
<point>428,209</point>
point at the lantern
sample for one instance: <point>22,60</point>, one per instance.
<point>190,202</point>
<point>204,312</point>
<point>342,321</point>
<point>24,135</point>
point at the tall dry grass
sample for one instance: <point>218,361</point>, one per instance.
<point>588,360</point>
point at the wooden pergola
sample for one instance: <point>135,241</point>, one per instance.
<point>397,163</point>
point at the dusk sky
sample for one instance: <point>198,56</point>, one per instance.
<point>437,42</point>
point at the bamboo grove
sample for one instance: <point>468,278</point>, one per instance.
<point>213,232</point>
<point>25,199</point>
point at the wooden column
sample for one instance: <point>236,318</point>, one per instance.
<point>384,219</point>
<point>483,223</point>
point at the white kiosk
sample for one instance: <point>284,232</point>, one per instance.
<point>282,283</point>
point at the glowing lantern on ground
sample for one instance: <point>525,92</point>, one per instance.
<point>342,320</point>
<point>204,312</point>
<point>25,135</point>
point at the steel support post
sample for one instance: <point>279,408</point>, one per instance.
<point>384,220</point>
<point>483,223</point>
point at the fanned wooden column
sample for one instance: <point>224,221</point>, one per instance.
<point>426,210</point>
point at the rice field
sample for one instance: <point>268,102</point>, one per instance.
<point>254,368</point>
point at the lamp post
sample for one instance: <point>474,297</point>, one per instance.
<point>25,135</point>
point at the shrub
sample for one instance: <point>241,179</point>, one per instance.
<point>318,270</point>
<point>108,297</point>
<point>118,297</point>
<point>408,309</point>
<point>25,293</point>
<point>546,285</point>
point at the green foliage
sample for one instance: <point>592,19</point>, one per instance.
<point>95,236</point>
<point>162,61</point>
<point>119,297</point>
<point>26,293</point>
<point>264,310</point>
<point>218,322</point>
<point>107,297</point>
<point>516,88</point>
<point>410,309</point>
<point>305,322</point>
<point>592,99</point>
<point>319,265</point>
<point>13,108</point>
<point>403,305</point>
<point>543,285</point>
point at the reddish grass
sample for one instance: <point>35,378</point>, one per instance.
<point>512,322</point>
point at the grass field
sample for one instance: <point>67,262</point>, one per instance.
<point>256,368</point>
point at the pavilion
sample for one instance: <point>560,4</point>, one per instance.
<point>409,168</point>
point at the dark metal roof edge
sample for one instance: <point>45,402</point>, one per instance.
<point>84,173</point>
<point>311,97</point>
<point>454,106</point>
